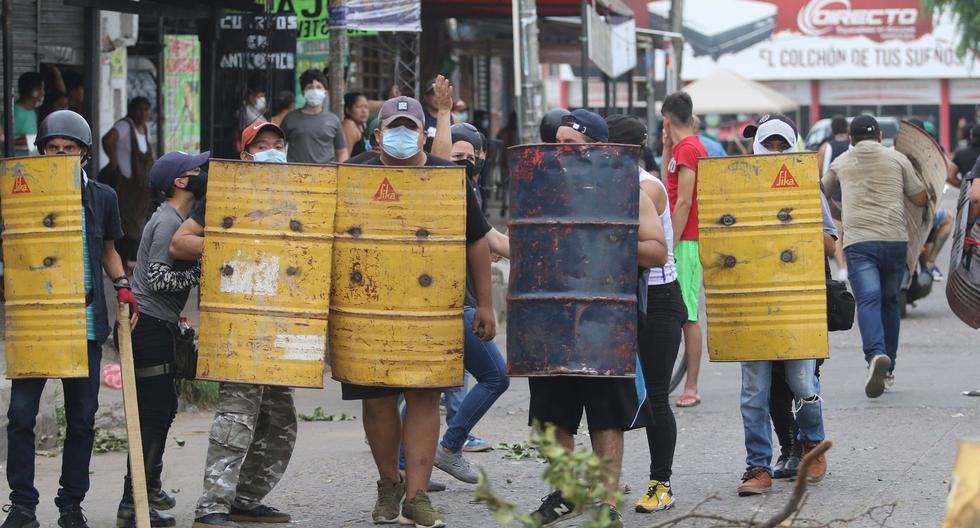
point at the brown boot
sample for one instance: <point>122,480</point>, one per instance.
<point>755,481</point>
<point>818,468</point>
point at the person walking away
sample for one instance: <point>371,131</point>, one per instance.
<point>401,134</point>
<point>775,134</point>
<point>682,148</point>
<point>875,182</point>
<point>611,405</point>
<point>356,114</point>
<point>965,157</point>
<point>831,149</point>
<point>254,429</point>
<point>313,133</point>
<point>284,103</point>
<point>130,158</point>
<point>660,335</point>
<point>161,285</point>
<point>65,132</point>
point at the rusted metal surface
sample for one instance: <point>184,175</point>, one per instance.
<point>44,270</point>
<point>265,276</point>
<point>399,275</point>
<point>761,246</point>
<point>963,284</point>
<point>571,306</point>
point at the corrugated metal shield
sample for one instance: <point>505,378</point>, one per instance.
<point>571,309</point>
<point>265,276</point>
<point>44,274</point>
<point>963,284</point>
<point>761,242</point>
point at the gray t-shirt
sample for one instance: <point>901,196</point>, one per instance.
<point>155,247</point>
<point>312,138</point>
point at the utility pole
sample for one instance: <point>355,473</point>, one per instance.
<point>8,82</point>
<point>532,99</point>
<point>338,52</point>
<point>584,38</point>
<point>677,43</point>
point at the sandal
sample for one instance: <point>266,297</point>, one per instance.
<point>687,400</point>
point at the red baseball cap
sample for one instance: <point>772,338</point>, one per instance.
<point>248,135</point>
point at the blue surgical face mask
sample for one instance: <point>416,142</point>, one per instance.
<point>400,143</point>
<point>270,156</point>
<point>463,116</point>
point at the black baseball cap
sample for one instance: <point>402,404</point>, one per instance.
<point>864,125</point>
<point>172,165</point>
<point>588,123</point>
<point>627,130</point>
<point>468,133</point>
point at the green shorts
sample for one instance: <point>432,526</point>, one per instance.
<point>689,275</point>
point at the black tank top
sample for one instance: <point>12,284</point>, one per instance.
<point>838,147</point>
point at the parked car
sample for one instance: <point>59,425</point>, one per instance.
<point>820,132</point>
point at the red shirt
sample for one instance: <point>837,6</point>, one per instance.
<point>686,154</point>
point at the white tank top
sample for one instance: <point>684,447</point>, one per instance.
<point>668,273</point>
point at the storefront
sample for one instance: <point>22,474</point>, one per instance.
<point>884,57</point>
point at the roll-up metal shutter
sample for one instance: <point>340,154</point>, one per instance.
<point>62,36</point>
<point>24,25</point>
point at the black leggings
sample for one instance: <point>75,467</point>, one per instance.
<point>153,344</point>
<point>660,339</point>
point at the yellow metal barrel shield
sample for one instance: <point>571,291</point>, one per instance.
<point>399,275</point>
<point>761,242</point>
<point>44,267</point>
<point>265,275</point>
<point>963,504</point>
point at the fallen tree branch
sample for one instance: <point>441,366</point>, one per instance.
<point>799,490</point>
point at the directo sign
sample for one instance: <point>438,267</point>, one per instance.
<point>840,18</point>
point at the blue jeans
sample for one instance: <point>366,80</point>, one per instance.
<point>454,397</point>
<point>81,402</point>
<point>756,383</point>
<point>876,271</point>
<point>485,363</point>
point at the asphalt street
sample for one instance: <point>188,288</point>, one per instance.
<point>898,449</point>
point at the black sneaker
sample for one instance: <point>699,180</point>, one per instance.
<point>215,520</point>
<point>259,514</point>
<point>126,517</point>
<point>19,517</point>
<point>72,517</point>
<point>159,500</point>
<point>554,509</point>
<point>779,468</point>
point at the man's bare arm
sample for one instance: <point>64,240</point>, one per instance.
<point>188,241</point>
<point>652,247</point>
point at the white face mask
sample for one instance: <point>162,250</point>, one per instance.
<point>314,97</point>
<point>260,104</point>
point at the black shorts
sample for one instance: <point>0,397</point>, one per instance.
<point>350,391</point>
<point>608,403</point>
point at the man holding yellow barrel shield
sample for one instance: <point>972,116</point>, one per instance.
<point>254,428</point>
<point>401,134</point>
<point>776,134</point>
<point>66,133</point>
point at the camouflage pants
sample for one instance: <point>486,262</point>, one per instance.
<point>251,441</point>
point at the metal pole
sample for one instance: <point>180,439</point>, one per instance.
<point>93,53</point>
<point>338,52</point>
<point>8,85</point>
<point>651,67</point>
<point>515,19</point>
<point>161,83</point>
<point>530,71</point>
<point>676,25</point>
<point>629,91</point>
<point>585,53</point>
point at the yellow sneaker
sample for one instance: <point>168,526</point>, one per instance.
<point>657,498</point>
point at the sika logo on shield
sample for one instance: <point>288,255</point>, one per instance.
<point>868,18</point>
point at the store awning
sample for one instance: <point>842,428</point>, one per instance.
<point>168,8</point>
<point>726,92</point>
<point>501,8</point>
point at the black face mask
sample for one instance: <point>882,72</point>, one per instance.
<point>198,185</point>
<point>471,168</point>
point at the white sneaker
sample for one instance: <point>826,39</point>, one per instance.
<point>877,372</point>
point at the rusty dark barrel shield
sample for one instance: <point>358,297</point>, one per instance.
<point>573,277</point>
<point>963,284</point>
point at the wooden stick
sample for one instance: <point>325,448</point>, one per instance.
<point>793,504</point>
<point>136,463</point>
